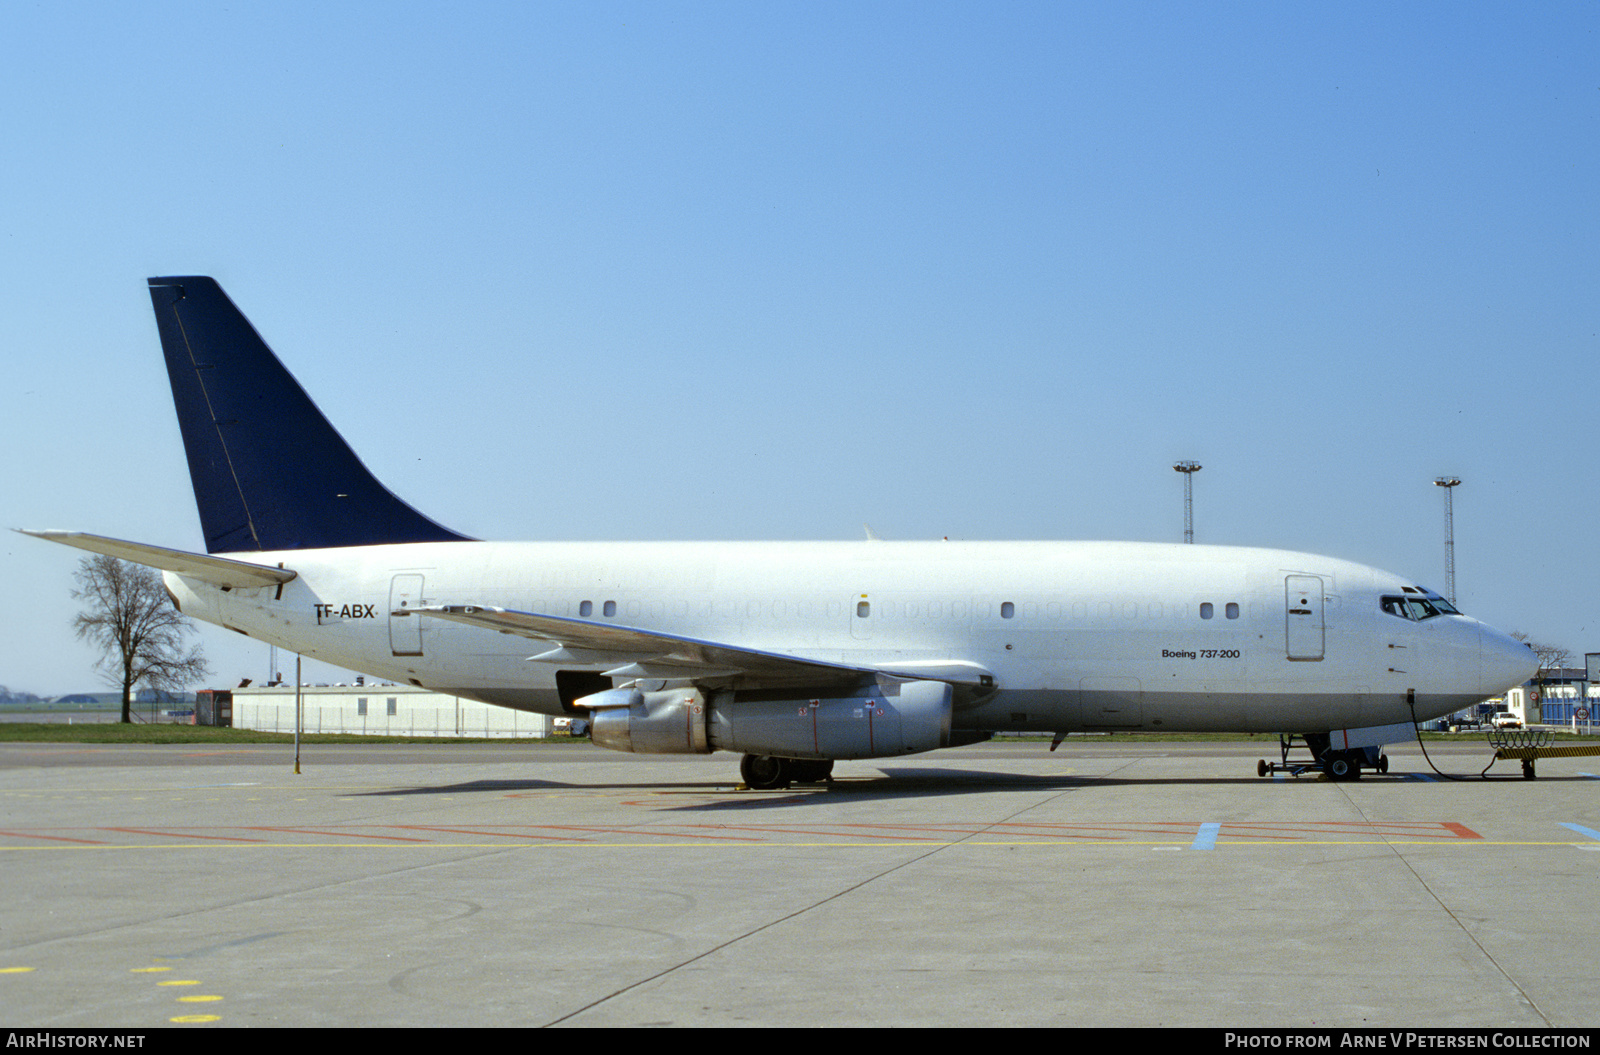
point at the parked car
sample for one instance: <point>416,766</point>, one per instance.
<point>1505,720</point>
<point>572,726</point>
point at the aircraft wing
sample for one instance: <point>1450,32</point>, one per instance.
<point>651,654</point>
<point>218,571</point>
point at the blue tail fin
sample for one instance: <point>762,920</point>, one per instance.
<point>269,471</point>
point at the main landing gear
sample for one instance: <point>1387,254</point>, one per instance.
<point>1318,755</point>
<point>769,772</point>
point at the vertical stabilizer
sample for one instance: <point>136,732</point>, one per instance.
<point>269,471</point>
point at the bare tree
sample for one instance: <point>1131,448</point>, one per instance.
<point>131,618</point>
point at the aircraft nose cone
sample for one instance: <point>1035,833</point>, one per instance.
<point>1507,662</point>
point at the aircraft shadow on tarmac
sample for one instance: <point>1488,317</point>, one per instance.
<point>902,783</point>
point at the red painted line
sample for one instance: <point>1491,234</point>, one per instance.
<point>646,830</point>
<point>182,835</point>
<point>330,832</point>
<point>1013,827</point>
<point>1078,831</point>
<point>54,838</point>
<point>479,831</point>
<point>811,831</point>
<point>1392,829</point>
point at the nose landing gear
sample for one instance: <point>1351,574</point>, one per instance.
<point>1316,755</point>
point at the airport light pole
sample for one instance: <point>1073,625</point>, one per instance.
<point>1448,483</point>
<point>1188,469</point>
<point>299,713</point>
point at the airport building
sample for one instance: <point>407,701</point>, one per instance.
<point>383,710</point>
<point>1562,697</point>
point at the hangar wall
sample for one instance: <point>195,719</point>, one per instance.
<point>385,710</point>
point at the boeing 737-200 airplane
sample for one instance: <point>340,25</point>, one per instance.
<point>793,653</point>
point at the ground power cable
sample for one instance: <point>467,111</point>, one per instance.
<point>1417,728</point>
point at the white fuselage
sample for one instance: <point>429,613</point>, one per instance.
<point>1079,636</point>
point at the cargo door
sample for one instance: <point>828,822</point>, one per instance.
<point>1305,631</point>
<point>405,631</point>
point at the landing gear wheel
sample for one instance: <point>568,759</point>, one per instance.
<point>1527,769</point>
<point>765,772</point>
<point>1339,767</point>
<point>810,770</point>
<point>1261,767</point>
<point>1383,763</point>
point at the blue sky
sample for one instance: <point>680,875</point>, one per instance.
<point>774,270</point>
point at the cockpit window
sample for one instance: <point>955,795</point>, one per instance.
<point>1417,605</point>
<point>1444,606</point>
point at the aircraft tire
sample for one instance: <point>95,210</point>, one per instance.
<point>1339,767</point>
<point>811,770</point>
<point>765,772</point>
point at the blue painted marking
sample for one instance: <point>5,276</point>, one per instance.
<point>1581,830</point>
<point>1206,837</point>
<point>1591,776</point>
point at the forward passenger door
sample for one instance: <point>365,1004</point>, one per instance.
<point>1305,631</point>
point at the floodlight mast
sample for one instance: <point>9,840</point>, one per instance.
<point>1448,483</point>
<point>1188,469</point>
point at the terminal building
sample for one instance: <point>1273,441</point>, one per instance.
<point>381,710</point>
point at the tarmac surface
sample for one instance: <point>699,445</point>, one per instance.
<point>1115,882</point>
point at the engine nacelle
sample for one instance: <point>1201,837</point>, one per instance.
<point>897,718</point>
<point>668,722</point>
<point>876,721</point>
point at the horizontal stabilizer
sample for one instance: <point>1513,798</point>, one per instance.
<point>218,571</point>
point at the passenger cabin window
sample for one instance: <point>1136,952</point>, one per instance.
<point>1007,610</point>
<point>1206,610</point>
<point>1232,610</point>
<point>585,608</point>
<point>863,609</point>
<point>610,609</point>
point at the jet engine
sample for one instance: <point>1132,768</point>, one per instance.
<point>878,720</point>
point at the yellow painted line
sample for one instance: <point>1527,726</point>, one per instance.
<point>148,970</point>
<point>775,844</point>
<point>195,1018</point>
<point>15,970</point>
<point>183,981</point>
<point>197,999</point>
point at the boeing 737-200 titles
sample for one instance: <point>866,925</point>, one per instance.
<point>792,653</point>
